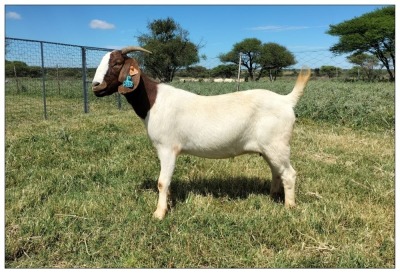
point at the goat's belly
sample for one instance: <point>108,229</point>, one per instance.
<point>216,154</point>
<point>218,147</point>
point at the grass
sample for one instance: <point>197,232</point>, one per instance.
<point>81,190</point>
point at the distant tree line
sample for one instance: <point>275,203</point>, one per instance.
<point>366,69</point>
<point>21,69</point>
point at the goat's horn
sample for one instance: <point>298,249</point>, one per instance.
<point>128,49</point>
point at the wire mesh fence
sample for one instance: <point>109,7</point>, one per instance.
<point>56,77</point>
<point>51,76</point>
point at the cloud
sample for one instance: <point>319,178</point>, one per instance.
<point>13,15</point>
<point>273,28</point>
<point>101,24</point>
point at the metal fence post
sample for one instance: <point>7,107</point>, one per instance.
<point>85,89</point>
<point>119,101</point>
<point>43,81</point>
<point>238,77</point>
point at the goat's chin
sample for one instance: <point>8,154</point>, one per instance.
<point>102,93</point>
<point>106,91</point>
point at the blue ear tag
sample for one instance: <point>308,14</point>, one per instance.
<point>128,82</point>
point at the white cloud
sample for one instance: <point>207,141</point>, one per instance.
<point>101,24</point>
<point>13,15</point>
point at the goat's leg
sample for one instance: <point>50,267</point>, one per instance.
<point>283,174</point>
<point>167,161</point>
<point>277,190</point>
<point>288,181</point>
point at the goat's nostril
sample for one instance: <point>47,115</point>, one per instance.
<point>94,84</point>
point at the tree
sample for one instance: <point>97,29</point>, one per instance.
<point>259,57</point>
<point>16,68</point>
<point>225,71</point>
<point>372,32</point>
<point>366,62</point>
<point>250,50</point>
<point>171,49</point>
<point>330,71</point>
<point>196,71</point>
<point>274,57</point>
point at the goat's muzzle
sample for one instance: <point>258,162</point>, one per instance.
<point>98,87</point>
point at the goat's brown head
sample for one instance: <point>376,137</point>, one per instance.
<point>117,72</point>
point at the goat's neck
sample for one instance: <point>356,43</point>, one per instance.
<point>143,97</point>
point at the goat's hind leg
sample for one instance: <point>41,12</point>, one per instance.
<point>167,161</point>
<point>283,175</point>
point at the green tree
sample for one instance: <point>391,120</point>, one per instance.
<point>259,58</point>
<point>330,71</point>
<point>170,46</point>
<point>225,71</point>
<point>18,68</point>
<point>373,32</point>
<point>274,57</point>
<point>249,49</point>
<point>196,71</point>
<point>366,62</point>
<point>354,72</point>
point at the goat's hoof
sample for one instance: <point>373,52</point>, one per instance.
<point>290,205</point>
<point>159,214</point>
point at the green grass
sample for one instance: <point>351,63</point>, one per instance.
<point>81,190</point>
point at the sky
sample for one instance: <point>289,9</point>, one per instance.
<point>300,28</point>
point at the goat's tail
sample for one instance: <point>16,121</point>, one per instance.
<point>301,83</point>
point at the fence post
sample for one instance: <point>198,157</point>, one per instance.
<point>119,101</point>
<point>85,91</point>
<point>240,64</point>
<point>43,81</point>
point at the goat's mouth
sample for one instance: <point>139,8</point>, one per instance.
<point>104,89</point>
<point>99,89</point>
<point>101,93</point>
<point>96,86</point>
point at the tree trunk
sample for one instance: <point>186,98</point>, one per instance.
<point>251,75</point>
<point>385,62</point>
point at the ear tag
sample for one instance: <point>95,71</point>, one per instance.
<point>128,82</point>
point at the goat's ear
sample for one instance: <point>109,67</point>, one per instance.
<point>129,76</point>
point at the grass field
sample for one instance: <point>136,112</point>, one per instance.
<point>81,189</point>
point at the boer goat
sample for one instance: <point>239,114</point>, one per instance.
<point>223,126</point>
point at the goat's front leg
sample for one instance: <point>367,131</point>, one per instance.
<point>167,161</point>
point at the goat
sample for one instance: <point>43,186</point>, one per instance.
<point>222,126</point>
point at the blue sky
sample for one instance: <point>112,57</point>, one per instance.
<point>300,28</point>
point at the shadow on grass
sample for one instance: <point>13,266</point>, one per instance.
<point>234,187</point>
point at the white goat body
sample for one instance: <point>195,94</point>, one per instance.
<point>253,121</point>
<point>178,121</point>
<point>218,126</point>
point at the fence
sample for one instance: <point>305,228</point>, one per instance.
<point>60,74</point>
<point>52,70</point>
